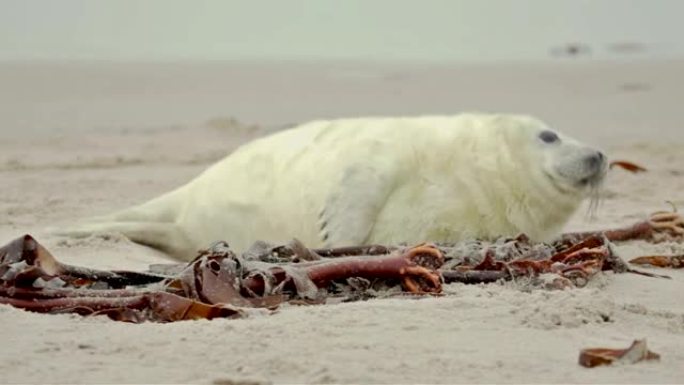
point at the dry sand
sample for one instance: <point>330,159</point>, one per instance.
<point>83,139</point>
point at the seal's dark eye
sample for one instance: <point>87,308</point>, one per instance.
<point>548,136</point>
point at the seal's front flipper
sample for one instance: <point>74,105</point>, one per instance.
<point>352,207</point>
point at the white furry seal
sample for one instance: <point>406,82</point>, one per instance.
<point>375,180</point>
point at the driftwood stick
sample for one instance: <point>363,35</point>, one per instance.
<point>354,251</point>
<point>474,276</point>
<point>47,293</point>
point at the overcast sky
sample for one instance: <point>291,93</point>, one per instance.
<point>322,29</point>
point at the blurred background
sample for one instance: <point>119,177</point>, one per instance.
<point>605,69</point>
<point>379,30</point>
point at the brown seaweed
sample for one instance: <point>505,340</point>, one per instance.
<point>219,283</point>
<point>661,226</point>
<point>626,165</point>
<point>671,261</point>
<point>638,351</point>
<point>215,284</point>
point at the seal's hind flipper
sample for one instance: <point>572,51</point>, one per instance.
<point>167,237</point>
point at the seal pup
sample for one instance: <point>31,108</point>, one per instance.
<point>375,180</point>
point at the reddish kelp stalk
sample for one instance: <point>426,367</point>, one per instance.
<point>218,283</point>
<point>661,226</point>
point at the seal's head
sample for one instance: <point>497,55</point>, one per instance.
<point>570,166</point>
<point>544,174</point>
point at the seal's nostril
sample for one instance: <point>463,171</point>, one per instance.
<point>595,160</point>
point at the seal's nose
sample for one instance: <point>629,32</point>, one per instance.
<point>596,160</point>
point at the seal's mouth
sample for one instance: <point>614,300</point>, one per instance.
<point>593,180</point>
<point>570,185</point>
<point>559,184</point>
<point>588,187</point>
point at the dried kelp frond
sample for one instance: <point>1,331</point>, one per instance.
<point>629,166</point>
<point>638,351</point>
<point>672,261</point>
<point>24,259</point>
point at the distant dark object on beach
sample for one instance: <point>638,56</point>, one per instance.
<point>626,47</point>
<point>571,50</point>
<point>634,87</point>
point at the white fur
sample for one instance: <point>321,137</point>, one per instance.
<point>371,180</point>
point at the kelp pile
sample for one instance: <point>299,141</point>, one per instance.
<point>221,284</point>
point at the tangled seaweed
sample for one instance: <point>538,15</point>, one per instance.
<point>220,284</point>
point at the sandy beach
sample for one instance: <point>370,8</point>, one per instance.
<point>87,138</point>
